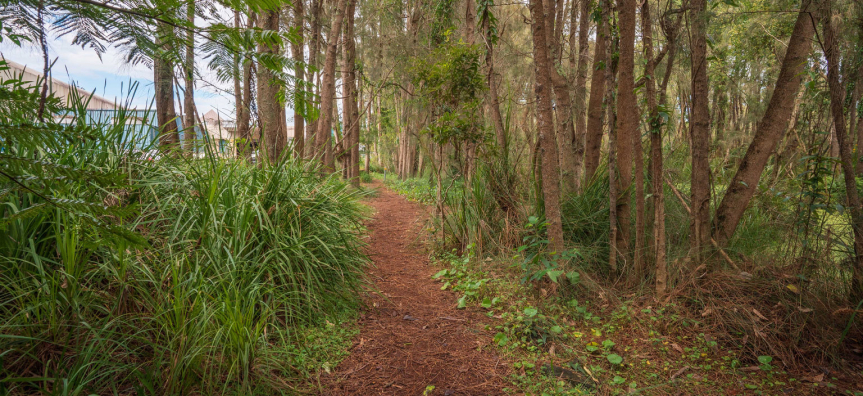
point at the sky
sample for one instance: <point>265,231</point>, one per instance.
<point>110,76</point>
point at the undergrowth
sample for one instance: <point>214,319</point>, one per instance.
<point>120,274</point>
<point>574,341</point>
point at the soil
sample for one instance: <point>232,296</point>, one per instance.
<point>412,337</point>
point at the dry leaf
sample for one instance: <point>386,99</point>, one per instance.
<point>706,312</point>
<point>678,372</point>
<point>677,347</point>
<point>758,314</point>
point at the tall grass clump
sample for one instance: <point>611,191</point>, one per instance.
<point>121,275</point>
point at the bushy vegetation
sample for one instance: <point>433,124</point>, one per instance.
<point>120,274</point>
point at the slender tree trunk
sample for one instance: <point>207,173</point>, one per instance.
<point>324,149</point>
<point>189,78</point>
<point>163,80</point>
<point>545,119</point>
<point>627,123</point>
<point>269,88</point>
<point>610,72</point>
<point>770,130</point>
<point>238,88</point>
<point>593,138</point>
<point>562,109</point>
<point>314,78</point>
<point>699,234</point>
<point>490,39</point>
<point>656,161</point>
<point>352,127</point>
<point>837,104</point>
<point>244,117</point>
<point>655,131</point>
<point>297,48</point>
<point>581,88</point>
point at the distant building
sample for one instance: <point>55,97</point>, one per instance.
<point>221,133</point>
<point>140,124</point>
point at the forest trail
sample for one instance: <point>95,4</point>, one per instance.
<point>414,338</point>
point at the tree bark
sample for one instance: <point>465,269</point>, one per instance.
<point>627,123</point>
<point>545,120</point>
<point>269,89</point>
<point>699,235</point>
<point>299,75</point>
<point>245,112</point>
<point>562,109</point>
<point>837,104</point>
<point>593,138</point>
<point>189,73</point>
<point>656,161</point>
<point>581,88</point>
<point>349,104</point>
<point>163,81</point>
<point>324,150</point>
<point>314,78</point>
<point>238,88</point>
<point>770,130</point>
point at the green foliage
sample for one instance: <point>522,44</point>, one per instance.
<point>539,263</point>
<point>172,276</point>
<point>451,84</point>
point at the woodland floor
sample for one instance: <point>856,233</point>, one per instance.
<point>413,340</point>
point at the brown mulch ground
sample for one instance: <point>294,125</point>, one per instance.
<point>413,337</point>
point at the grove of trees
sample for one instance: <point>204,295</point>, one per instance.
<point>694,151</point>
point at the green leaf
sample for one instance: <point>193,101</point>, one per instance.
<point>553,275</point>
<point>574,277</point>
<point>765,359</point>
<point>530,312</point>
<point>614,358</point>
<point>462,302</point>
<point>440,274</point>
<point>486,303</point>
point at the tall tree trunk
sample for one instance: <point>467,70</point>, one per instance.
<point>581,87</point>
<point>627,123</point>
<point>610,107</point>
<point>324,150</point>
<point>163,81</point>
<point>238,88</point>
<point>699,235</point>
<point>506,178</point>
<point>352,127</point>
<point>562,109</point>
<point>244,113</point>
<point>656,125</point>
<point>770,130</point>
<point>189,73</point>
<point>593,138</point>
<point>314,78</point>
<point>269,88</point>
<point>545,120</point>
<point>837,104</point>
<point>297,48</point>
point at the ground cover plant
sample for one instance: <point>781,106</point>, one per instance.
<point>122,274</point>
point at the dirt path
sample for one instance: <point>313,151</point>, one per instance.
<point>415,337</point>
